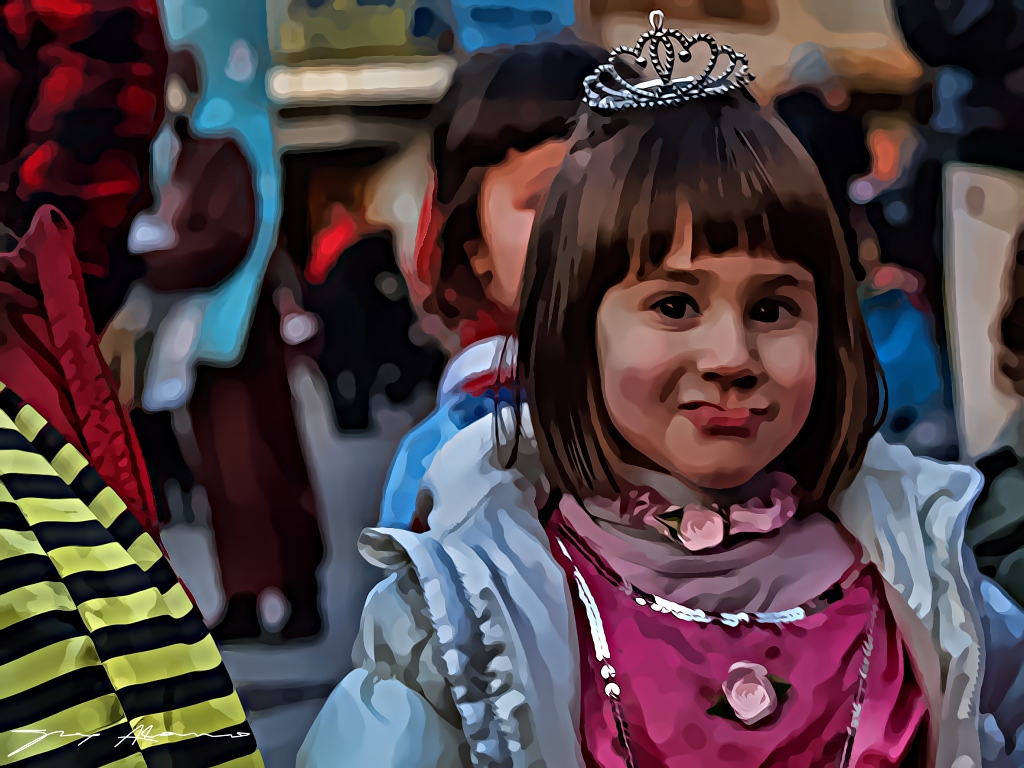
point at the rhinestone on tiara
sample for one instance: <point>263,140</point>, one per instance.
<point>606,89</point>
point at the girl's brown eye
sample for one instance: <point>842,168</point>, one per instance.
<point>770,311</point>
<point>677,307</point>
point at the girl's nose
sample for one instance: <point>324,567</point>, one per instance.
<point>725,351</point>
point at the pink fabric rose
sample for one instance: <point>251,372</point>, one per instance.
<point>700,528</point>
<point>749,692</point>
<point>755,517</point>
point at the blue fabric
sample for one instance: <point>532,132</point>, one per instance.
<point>486,23</point>
<point>421,444</point>
<point>909,356</point>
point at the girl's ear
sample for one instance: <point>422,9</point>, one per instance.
<point>511,195</point>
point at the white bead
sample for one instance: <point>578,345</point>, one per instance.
<point>612,690</point>
<point>607,671</point>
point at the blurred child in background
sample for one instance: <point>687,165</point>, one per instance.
<point>498,145</point>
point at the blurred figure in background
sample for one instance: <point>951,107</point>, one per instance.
<point>237,436</point>
<point>498,145</point>
<point>976,53</point>
<point>80,99</point>
<point>79,104</point>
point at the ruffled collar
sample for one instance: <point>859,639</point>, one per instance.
<point>684,550</point>
<point>768,503</point>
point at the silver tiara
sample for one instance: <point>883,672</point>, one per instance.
<point>606,89</point>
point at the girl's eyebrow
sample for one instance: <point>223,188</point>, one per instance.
<point>781,281</point>
<point>678,275</point>
<point>690,277</point>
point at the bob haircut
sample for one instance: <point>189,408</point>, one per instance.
<point>612,211</point>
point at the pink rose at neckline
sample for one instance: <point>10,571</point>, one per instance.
<point>700,528</point>
<point>755,517</point>
<point>749,692</point>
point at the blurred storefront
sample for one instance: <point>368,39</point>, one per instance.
<point>351,89</point>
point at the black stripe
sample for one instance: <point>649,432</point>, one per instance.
<point>158,632</point>
<point>39,631</point>
<point>10,403</point>
<point>13,440</point>
<point>162,575</point>
<point>125,529</point>
<point>53,696</point>
<point>87,484</point>
<point>204,751</point>
<point>90,585</point>
<point>175,693</point>
<point>11,517</point>
<point>37,487</point>
<point>100,750</point>
<point>88,533</point>
<point>49,441</point>
<point>23,570</point>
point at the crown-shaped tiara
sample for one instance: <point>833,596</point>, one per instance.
<point>606,89</point>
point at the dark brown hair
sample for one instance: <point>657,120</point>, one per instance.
<point>613,209</point>
<point>514,97</point>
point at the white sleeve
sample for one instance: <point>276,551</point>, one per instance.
<point>394,710</point>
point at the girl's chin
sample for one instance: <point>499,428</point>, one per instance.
<point>720,467</point>
<point>715,462</point>
<point>717,481</point>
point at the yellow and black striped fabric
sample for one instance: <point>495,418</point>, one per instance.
<point>104,660</point>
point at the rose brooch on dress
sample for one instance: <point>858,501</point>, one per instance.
<point>749,694</point>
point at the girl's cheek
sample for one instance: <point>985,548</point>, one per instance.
<point>789,360</point>
<point>636,362</point>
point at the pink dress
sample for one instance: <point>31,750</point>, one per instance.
<point>650,673</point>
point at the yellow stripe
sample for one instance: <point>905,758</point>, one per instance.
<point>162,663</point>
<point>69,462</point>
<point>132,761</point>
<point>192,722</point>
<point>43,665</point>
<point>32,600</point>
<point>104,557</point>
<point>107,506</point>
<point>14,543</point>
<point>5,495</point>
<point>255,760</point>
<point>144,551</point>
<point>24,463</point>
<point>29,422</point>
<point>77,722</point>
<point>54,511</point>
<point>117,611</point>
<point>2,386</point>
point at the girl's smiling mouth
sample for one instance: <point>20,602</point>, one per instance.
<point>717,421</point>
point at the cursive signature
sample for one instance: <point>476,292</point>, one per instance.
<point>138,734</point>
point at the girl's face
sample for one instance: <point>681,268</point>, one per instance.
<point>708,363</point>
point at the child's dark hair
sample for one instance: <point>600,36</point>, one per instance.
<point>612,211</point>
<point>514,97</point>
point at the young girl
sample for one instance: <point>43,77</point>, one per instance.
<point>691,548</point>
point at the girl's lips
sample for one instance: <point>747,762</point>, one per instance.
<point>715,421</point>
